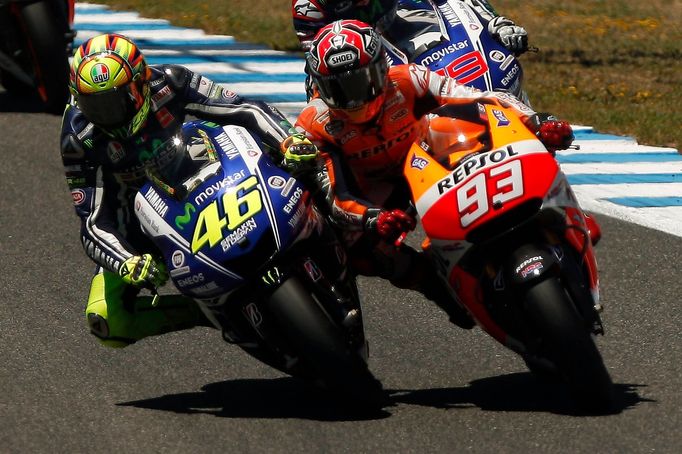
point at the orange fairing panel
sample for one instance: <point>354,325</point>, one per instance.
<point>421,171</point>
<point>482,187</point>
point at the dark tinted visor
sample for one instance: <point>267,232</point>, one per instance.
<point>110,109</point>
<point>352,88</point>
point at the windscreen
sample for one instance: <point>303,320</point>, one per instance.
<point>192,161</point>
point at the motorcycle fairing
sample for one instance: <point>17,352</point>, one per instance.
<point>467,53</point>
<point>452,204</point>
<point>237,217</point>
<point>484,185</point>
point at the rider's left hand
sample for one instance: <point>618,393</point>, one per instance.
<point>511,36</point>
<point>298,149</point>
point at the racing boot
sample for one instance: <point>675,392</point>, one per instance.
<point>423,278</point>
<point>434,289</point>
<point>406,268</point>
<point>118,317</point>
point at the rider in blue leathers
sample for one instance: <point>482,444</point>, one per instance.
<point>398,20</point>
<point>122,112</point>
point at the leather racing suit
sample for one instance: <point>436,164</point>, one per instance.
<point>104,174</point>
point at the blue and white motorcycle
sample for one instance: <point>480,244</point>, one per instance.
<point>243,238</point>
<point>458,46</point>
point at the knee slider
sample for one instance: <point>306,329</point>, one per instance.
<point>99,327</point>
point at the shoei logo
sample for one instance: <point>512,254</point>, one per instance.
<point>100,73</point>
<point>341,58</point>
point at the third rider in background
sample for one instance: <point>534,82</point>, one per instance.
<point>398,20</point>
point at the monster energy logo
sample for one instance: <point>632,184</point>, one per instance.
<point>272,276</point>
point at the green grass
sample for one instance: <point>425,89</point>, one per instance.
<point>612,64</point>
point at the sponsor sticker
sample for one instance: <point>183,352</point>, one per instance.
<point>205,86</point>
<point>178,259</point>
<point>532,268</point>
<point>99,73</point>
<point>253,314</point>
<point>162,96</point>
<point>418,162</point>
<point>341,58</point>
<point>312,270</point>
<point>115,151</point>
<point>502,120</point>
<point>305,8</point>
<point>78,196</point>
<point>276,182</point>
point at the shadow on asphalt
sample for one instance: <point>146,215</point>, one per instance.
<point>514,392</point>
<point>286,398</point>
<point>281,398</point>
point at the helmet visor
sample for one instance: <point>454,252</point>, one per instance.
<point>354,88</point>
<point>113,108</point>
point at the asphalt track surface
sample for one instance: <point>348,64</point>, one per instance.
<point>452,390</point>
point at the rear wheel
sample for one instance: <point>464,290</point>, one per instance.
<point>47,52</point>
<point>569,344</point>
<point>322,346</point>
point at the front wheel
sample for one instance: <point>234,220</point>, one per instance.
<point>46,43</point>
<point>322,346</point>
<point>568,343</point>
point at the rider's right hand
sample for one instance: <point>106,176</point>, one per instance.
<point>142,271</point>
<point>556,135</point>
<point>389,225</point>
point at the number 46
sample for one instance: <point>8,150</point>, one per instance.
<point>239,205</point>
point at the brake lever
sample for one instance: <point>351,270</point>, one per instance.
<point>400,240</point>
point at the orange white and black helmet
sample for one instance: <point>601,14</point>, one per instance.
<point>347,63</point>
<point>110,84</point>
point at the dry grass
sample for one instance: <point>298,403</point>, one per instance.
<point>613,64</point>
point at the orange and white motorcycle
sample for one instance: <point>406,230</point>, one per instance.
<point>509,237</point>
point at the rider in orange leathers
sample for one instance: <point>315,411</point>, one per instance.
<point>363,118</point>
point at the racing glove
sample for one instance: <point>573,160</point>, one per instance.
<point>299,152</point>
<point>555,135</point>
<point>389,225</point>
<point>511,36</point>
<point>142,271</point>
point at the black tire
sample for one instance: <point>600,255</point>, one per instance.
<point>12,84</point>
<point>47,51</point>
<point>321,345</point>
<point>569,345</point>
